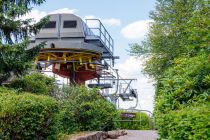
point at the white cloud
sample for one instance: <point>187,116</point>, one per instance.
<point>90,17</point>
<point>108,21</point>
<point>136,30</point>
<point>91,23</point>
<point>35,14</point>
<point>64,11</point>
<point>132,68</point>
<point>112,22</point>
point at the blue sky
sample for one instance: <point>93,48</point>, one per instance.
<point>126,21</point>
<point>127,11</point>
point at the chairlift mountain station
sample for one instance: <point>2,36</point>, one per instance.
<point>82,51</point>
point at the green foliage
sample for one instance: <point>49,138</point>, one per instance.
<point>188,123</point>
<point>15,59</point>
<point>27,116</point>
<point>178,56</point>
<point>86,110</point>
<point>34,83</point>
<point>184,83</point>
<point>145,124</point>
<point>13,28</point>
<point>181,93</point>
<point>179,28</point>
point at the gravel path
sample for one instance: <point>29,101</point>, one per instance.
<point>139,135</point>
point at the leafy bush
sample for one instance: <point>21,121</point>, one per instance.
<point>181,93</point>
<point>35,83</point>
<point>177,51</point>
<point>86,110</point>
<point>185,82</point>
<point>189,123</point>
<point>145,123</point>
<point>27,116</point>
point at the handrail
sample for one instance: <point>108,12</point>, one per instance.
<point>105,37</point>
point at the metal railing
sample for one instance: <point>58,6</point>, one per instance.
<point>130,122</point>
<point>96,28</point>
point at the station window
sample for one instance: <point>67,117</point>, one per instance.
<point>50,24</point>
<point>70,24</point>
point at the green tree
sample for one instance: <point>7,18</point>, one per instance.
<point>15,59</point>
<point>178,54</point>
<point>34,83</point>
<point>180,28</point>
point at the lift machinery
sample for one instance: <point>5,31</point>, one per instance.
<point>80,51</point>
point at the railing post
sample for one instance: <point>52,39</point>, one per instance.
<point>105,37</point>
<point>109,42</point>
<point>100,28</point>
<point>112,46</point>
<point>140,119</point>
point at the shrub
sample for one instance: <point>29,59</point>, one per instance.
<point>189,123</point>
<point>86,110</point>
<point>35,83</point>
<point>182,99</point>
<point>27,116</point>
<point>67,118</point>
<point>145,123</point>
<point>183,82</point>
